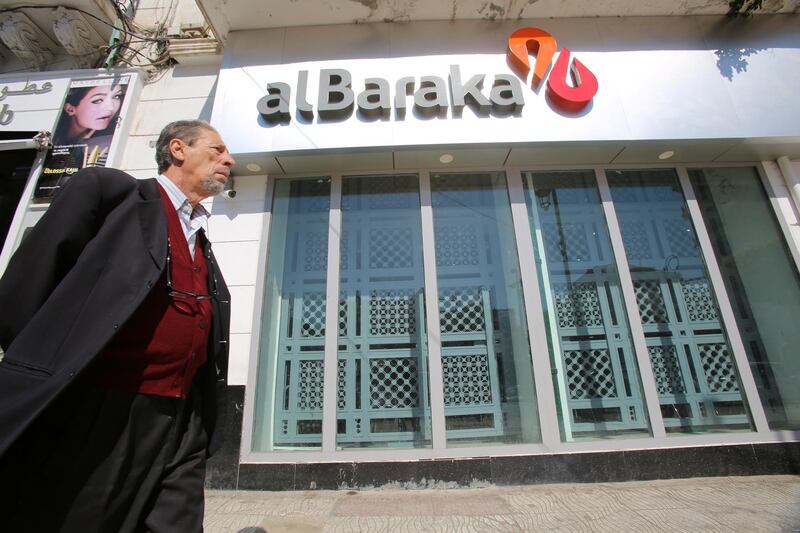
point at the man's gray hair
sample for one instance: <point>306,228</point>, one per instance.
<point>186,130</point>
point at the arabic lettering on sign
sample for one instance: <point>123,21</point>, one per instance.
<point>6,113</point>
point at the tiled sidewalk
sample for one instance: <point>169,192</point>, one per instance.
<point>724,504</point>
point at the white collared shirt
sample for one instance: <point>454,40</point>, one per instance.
<point>192,220</point>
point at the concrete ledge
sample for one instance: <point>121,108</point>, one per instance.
<point>639,465</point>
<point>225,472</point>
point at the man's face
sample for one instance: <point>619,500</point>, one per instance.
<point>206,164</point>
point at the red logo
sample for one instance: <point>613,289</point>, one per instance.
<point>543,45</point>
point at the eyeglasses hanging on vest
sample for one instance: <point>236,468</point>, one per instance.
<point>177,293</point>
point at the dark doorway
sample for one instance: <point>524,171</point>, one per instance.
<point>15,167</point>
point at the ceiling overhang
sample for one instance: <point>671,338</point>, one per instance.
<point>572,154</point>
<point>225,16</point>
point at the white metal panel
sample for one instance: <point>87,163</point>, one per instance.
<point>461,157</point>
<point>238,261</point>
<point>761,67</point>
<point>674,94</point>
<point>231,222</point>
<point>238,360</point>
<point>242,307</point>
<point>556,153</point>
<point>314,163</point>
<point>683,151</point>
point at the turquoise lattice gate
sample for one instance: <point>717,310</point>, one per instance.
<point>384,391</point>
<point>301,339</point>
<point>692,362</point>
<point>691,359</point>
<point>597,370</point>
<point>485,353</point>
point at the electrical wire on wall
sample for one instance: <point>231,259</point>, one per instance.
<point>140,46</point>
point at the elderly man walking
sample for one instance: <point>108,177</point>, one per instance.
<point>114,319</point>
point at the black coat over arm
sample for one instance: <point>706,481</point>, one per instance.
<point>75,280</point>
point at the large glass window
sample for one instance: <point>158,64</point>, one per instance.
<point>383,392</point>
<point>593,359</point>
<point>486,361</point>
<point>288,410</point>
<point>762,281</point>
<point>693,365</point>
<point>383,398</point>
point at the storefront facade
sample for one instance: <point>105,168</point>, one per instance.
<point>449,266</point>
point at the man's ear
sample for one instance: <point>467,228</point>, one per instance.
<point>176,148</point>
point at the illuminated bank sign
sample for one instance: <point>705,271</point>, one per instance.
<point>433,95</point>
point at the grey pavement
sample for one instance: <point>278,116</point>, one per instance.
<point>724,504</point>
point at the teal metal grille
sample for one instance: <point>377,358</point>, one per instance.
<point>692,364</point>
<point>392,312</point>
<point>596,370</point>
<point>589,374</point>
<point>382,344</point>
<point>461,310</point>
<point>456,246</point>
<point>666,370</point>
<point>467,380</point>
<point>577,305</point>
<point>393,383</point>
<point>309,391</point>
<point>718,368</point>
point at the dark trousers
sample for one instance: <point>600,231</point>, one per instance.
<point>107,461</point>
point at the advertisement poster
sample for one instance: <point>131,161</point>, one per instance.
<point>84,131</point>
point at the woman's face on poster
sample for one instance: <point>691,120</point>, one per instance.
<point>97,108</point>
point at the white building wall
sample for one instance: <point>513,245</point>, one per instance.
<point>235,230</point>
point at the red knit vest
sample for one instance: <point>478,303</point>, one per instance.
<point>160,348</point>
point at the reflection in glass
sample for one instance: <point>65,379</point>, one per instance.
<point>486,361</point>
<point>594,364</point>
<point>696,376</point>
<point>383,365</point>
<point>290,371</point>
<point>762,281</point>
